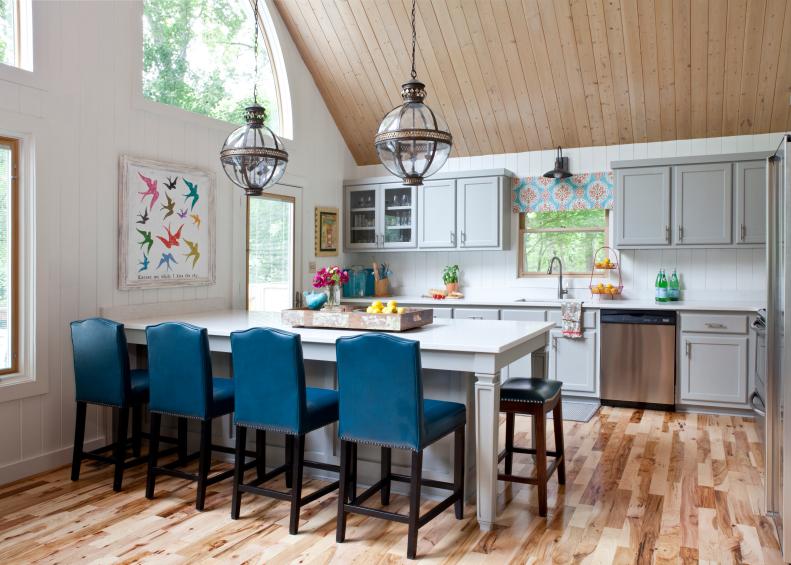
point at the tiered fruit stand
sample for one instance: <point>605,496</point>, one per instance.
<point>606,264</point>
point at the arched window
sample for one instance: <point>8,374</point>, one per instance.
<point>198,55</point>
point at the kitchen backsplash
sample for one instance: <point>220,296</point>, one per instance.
<point>739,274</point>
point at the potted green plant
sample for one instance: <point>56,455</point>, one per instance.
<point>450,276</point>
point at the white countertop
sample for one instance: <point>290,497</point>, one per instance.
<point>471,336</point>
<point>604,303</point>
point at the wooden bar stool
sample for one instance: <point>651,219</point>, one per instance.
<point>269,379</point>
<point>533,397</point>
<point>381,403</point>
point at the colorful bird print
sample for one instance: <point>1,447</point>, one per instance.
<point>146,239</point>
<point>193,193</point>
<point>195,220</point>
<point>171,184</point>
<point>143,264</point>
<point>194,253</point>
<point>173,238</point>
<point>152,191</point>
<point>166,259</point>
<point>143,217</point>
<point>182,213</point>
<point>168,206</point>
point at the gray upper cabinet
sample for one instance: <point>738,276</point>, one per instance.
<point>437,214</point>
<point>642,209</point>
<point>479,202</point>
<point>750,202</point>
<point>703,196</point>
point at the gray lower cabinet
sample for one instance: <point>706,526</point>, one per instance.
<point>531,365</point>
<point>751,201</point>
<point>443,313</point>
<point>703,196</point>
<point>642,209</point>
<point>476,314</point>
<point>713,370</point>
<point>573,361</point>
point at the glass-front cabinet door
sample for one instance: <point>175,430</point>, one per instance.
<point>399,216</point>
<point>362,222</point>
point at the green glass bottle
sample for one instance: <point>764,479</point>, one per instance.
<point>673,290</point>
<point>661,295</point>
<point>656,285</point>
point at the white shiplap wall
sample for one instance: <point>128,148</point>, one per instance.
<point>81,109</point>
<point>737,273</point>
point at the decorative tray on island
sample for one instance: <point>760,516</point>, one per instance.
<point>351,318</point>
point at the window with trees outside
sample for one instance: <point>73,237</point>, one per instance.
<point>198,55</point>
<point>15,44</point>
<point>270,252</point>
<point>572,235</point>
<point>9,311</point>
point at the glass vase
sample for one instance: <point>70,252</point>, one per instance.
<point>333,297</point>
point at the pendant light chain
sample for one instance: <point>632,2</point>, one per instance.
<point>414,40</point>
<point>255,54</point>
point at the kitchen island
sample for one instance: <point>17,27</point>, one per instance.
<point>470,353</point>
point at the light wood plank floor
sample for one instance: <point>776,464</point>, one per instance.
<point>642,487</point>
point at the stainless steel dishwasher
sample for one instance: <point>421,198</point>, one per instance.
<point>638,358</point>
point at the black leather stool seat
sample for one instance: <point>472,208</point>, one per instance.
<point>529,390</point>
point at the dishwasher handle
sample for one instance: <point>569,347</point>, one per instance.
<point>645,317</point>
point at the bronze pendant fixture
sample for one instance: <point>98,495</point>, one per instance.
<point>413,142</point>
<point>253,157</point>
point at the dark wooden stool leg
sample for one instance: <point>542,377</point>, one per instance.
<point>260,453</point>
<point>340,527</point>
<point>541,459</point>
<point>298,461</point>
<point>137,429</point>
<point>414,504</point>
<point>204,462</point>
<point>79,439</point>
<point>289,460</point>
<point>510,420</point>
<point>120,447</point>
<point>353,483</point>
<point>238,472</point>
<point>557,414</point>
<point>182,440</point>
<point>153,452</point>
<point>458,471</point>
<point>385,475</point>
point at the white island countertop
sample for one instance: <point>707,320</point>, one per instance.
<point>471,336</point>
<point>681,305</point>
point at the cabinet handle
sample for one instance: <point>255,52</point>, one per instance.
<point>463,238</point>
<point>667,234</point>
<point>452,237</point>
<point>554,343</point>
<point>743,232</point>
<point>689,349</point>
<point>680,233</point>
<point>715,325</point>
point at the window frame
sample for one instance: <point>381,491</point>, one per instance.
<point>283,198</point>
<point>271,42</point>
<point>521,273</point>
<point>14,290</point>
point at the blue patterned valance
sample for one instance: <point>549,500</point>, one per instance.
<point>586,191</point>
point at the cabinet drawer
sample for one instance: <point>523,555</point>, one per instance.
<point>588,318</point>
<point>714,323</point>
<point>476,314</point>
<point>523,315</point>
<point>443,313</point>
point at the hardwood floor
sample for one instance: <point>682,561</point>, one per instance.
<point>641,487</point>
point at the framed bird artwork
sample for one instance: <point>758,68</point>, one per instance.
<point>165,224</point>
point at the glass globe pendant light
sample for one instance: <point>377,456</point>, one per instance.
<point>413,142</point>
<point>253,156</point>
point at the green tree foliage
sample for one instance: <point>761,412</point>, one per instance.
<point>270,238</point>
<point>575,248</point>
<point>192,53</point>
<point>5,195</point>
<point>6,31</point>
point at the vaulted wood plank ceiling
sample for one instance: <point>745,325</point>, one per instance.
<point>519,75</point>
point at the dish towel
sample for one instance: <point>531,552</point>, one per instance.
<point>571,318</point>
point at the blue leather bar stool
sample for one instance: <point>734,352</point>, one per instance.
<point>182,385</point>
<point>102,376</point>
<point>269,378</point>
<point>534,397</point>
<point>381,403</point>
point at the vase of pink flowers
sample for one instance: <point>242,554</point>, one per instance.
<point>331,279</point>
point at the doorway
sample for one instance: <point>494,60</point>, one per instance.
<point>271,256</point>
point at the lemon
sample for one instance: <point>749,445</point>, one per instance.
<point>392,303</point>
<point>377,304</point>
<point>400,309</point>
<point>370,310</point>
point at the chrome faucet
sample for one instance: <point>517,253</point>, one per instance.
<point>561,290</point>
